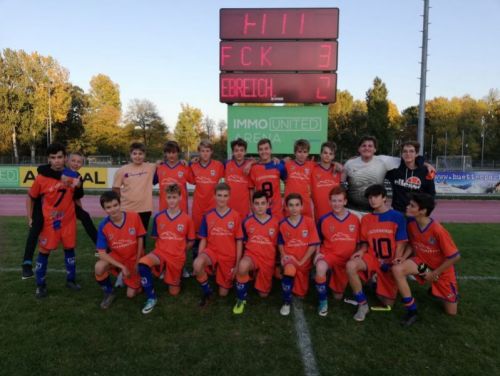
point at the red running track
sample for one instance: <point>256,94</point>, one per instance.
<point>451,211</point>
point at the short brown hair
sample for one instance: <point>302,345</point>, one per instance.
<point>171,147</point>
<point>173,189</point>
<point>205,144</point>
<point>368,138</point>
<point>338,191</point>
<point>222,187</point>
<point>238,142</point>
<point>137,146</point>
<point>415,144</point>
<point>301,144</point>
<point>264,141</point>
<point>293,196</point>
<point>330,145</point>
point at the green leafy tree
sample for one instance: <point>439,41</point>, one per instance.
<point>378,123</point>
<point>188,129</point>
<point>71,130</point>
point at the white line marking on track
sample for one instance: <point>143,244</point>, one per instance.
<point>304,340</point>
<point>478,278</point>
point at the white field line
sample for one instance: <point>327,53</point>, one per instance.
<point>304,340</point>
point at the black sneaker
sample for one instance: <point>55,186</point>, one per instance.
<point>409,319</point>
<point>72,285</point>
<point>107,301</point>
<point>41,292</point>
<point>27,271</point>
<point>205,300</point>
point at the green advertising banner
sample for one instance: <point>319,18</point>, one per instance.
<point>281,124</point>
<point>9,176</point>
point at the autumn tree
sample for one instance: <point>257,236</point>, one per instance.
<point>378,115</point>
<point>188,129</point>
<point>208,127</point>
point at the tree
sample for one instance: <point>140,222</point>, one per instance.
<point>378,115</point>
<point>71,130</point>
<point>101,122</point>
<point>145,123</point>
<point>209,127</point>
<point>188,129</point>
<point>220,144</point>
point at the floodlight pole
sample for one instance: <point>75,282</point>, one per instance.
<point>423,78</point>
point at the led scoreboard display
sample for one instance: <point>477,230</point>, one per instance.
<point>278,55</point>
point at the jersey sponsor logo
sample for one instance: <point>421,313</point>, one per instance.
<point>123,243</point>
<point>236,179</point>
<point>296,243</point>
<point>380,231</point>
<point>131,231</point>
<point>421,247</point>
<point>180,227</point>
<point>259,239</point>
<point>298,176</point>
<point>168,180</point>
<point>325,183</point>
<point>341,236</point>
<point>203,180</point>
<point>220,231</point>
<point>169,235</point>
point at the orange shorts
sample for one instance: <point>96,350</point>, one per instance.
<point>53,234</point>
<point>445,288</point>
<point>263,272</point>
<point>134,280</point>
<point>301,280</point>
<point>339,278</point>
<point>172,267</point>
<point>386,285</point>
<point>222,268</point>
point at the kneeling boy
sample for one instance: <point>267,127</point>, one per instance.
<point>220,245</point>
<point>174,232</point>
<point>122,233</point>
<point>435,254</point>
<point>260,232</point>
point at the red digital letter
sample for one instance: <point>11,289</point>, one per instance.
<point>301,28</point>
<point>327,82</point>
<point>246,24</point>
<point>283,25</point>
<point>326,56</point>
<point>223,54</point>
<point>264,22</point>
<point>242,56</point>
<point>263,56</point>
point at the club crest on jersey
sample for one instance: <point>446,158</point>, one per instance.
<point>212,172</point>
<point>352,228</point>
<point>305,233</point>
<point>251,230</point>
<point>43,241</point>
<point>331,228</point>
<point>306,170</point>
<point>432,240</point>
<point>131,231</point>
<point>110,237</point>
<point>271,231</point>
<point>162,226</point>
<point>180,174</point>
<point>230,225</point>
<point>180,227</point>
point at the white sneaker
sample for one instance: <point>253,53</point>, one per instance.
<point>186,273</point>
<point>361,313</point>
<point>119,280</point>
<point>285,310</point>
<point>148,307</point>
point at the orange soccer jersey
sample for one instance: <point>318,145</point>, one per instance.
<point>295,241</point>
<point>322,182</point>
<point>221,231</point>
<point>172,235</point>
<point>167,175</point>
<point>298,180</point>
<point>59,220</point>
<point>340,238</point>
<point>432,246</point>
<point>240,189</point>
<point>122,242</point>
<point>205,177</point>
<point>267,177</point>
<point>382,232</point>
<point>260,246</point>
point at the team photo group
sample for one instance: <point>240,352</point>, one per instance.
<point>332,228</point>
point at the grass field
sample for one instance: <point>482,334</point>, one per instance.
<point>67,333</point>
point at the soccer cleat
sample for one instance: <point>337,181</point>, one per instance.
<point>361,313</point>
<point>351,301</point>
<point>72,285</point>
<point>323,308</point>
<point>108,300</point>
<point>381,308</point>
<point>239,307</point>
<point>27,271</point>
<point>186,273</point>
<point>285,309</point>
<point>205,300</point>
<point>409,319</point>
<point>148,307</point>
<point>41,292</point>
<point>119,280</point>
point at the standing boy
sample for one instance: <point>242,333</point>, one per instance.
<point>59,220</point>
<point>122,235</point>
<point>260,232</point>
<point>220,245</point>
<point>383,241</point>
<point>173,230</point>
<point>237,179</point>
<point>435,255</point>
<point>339,232</point>
<point>297,241</point>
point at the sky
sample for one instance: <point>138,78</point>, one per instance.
<point>168,51</point>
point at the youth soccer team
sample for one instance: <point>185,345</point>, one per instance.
<point>242,232</point>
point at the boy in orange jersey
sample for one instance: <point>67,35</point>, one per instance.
<point>260,232</point>
<point>339,232</point>
<point>220,245</point>
<point>59,220</point>
<point>173,230</point>
<point>383,241</point>
<point>266,175</point>
<point>297,241</point>
<point>435,255</point>
<point>324,177</point>
<point>172,171</point>
<point>121,234</point>
<point>237,179</point>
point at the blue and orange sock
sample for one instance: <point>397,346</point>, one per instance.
<point>409,303</point>
<point>241,287</point>
<point>361,298</point>
<point>147,281</point>
<point>70,262</point>
<point>287,287</point>
<point>41,268</point>
<point>321,288</point>
<point>205,286</point>
<point>105,284</point>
